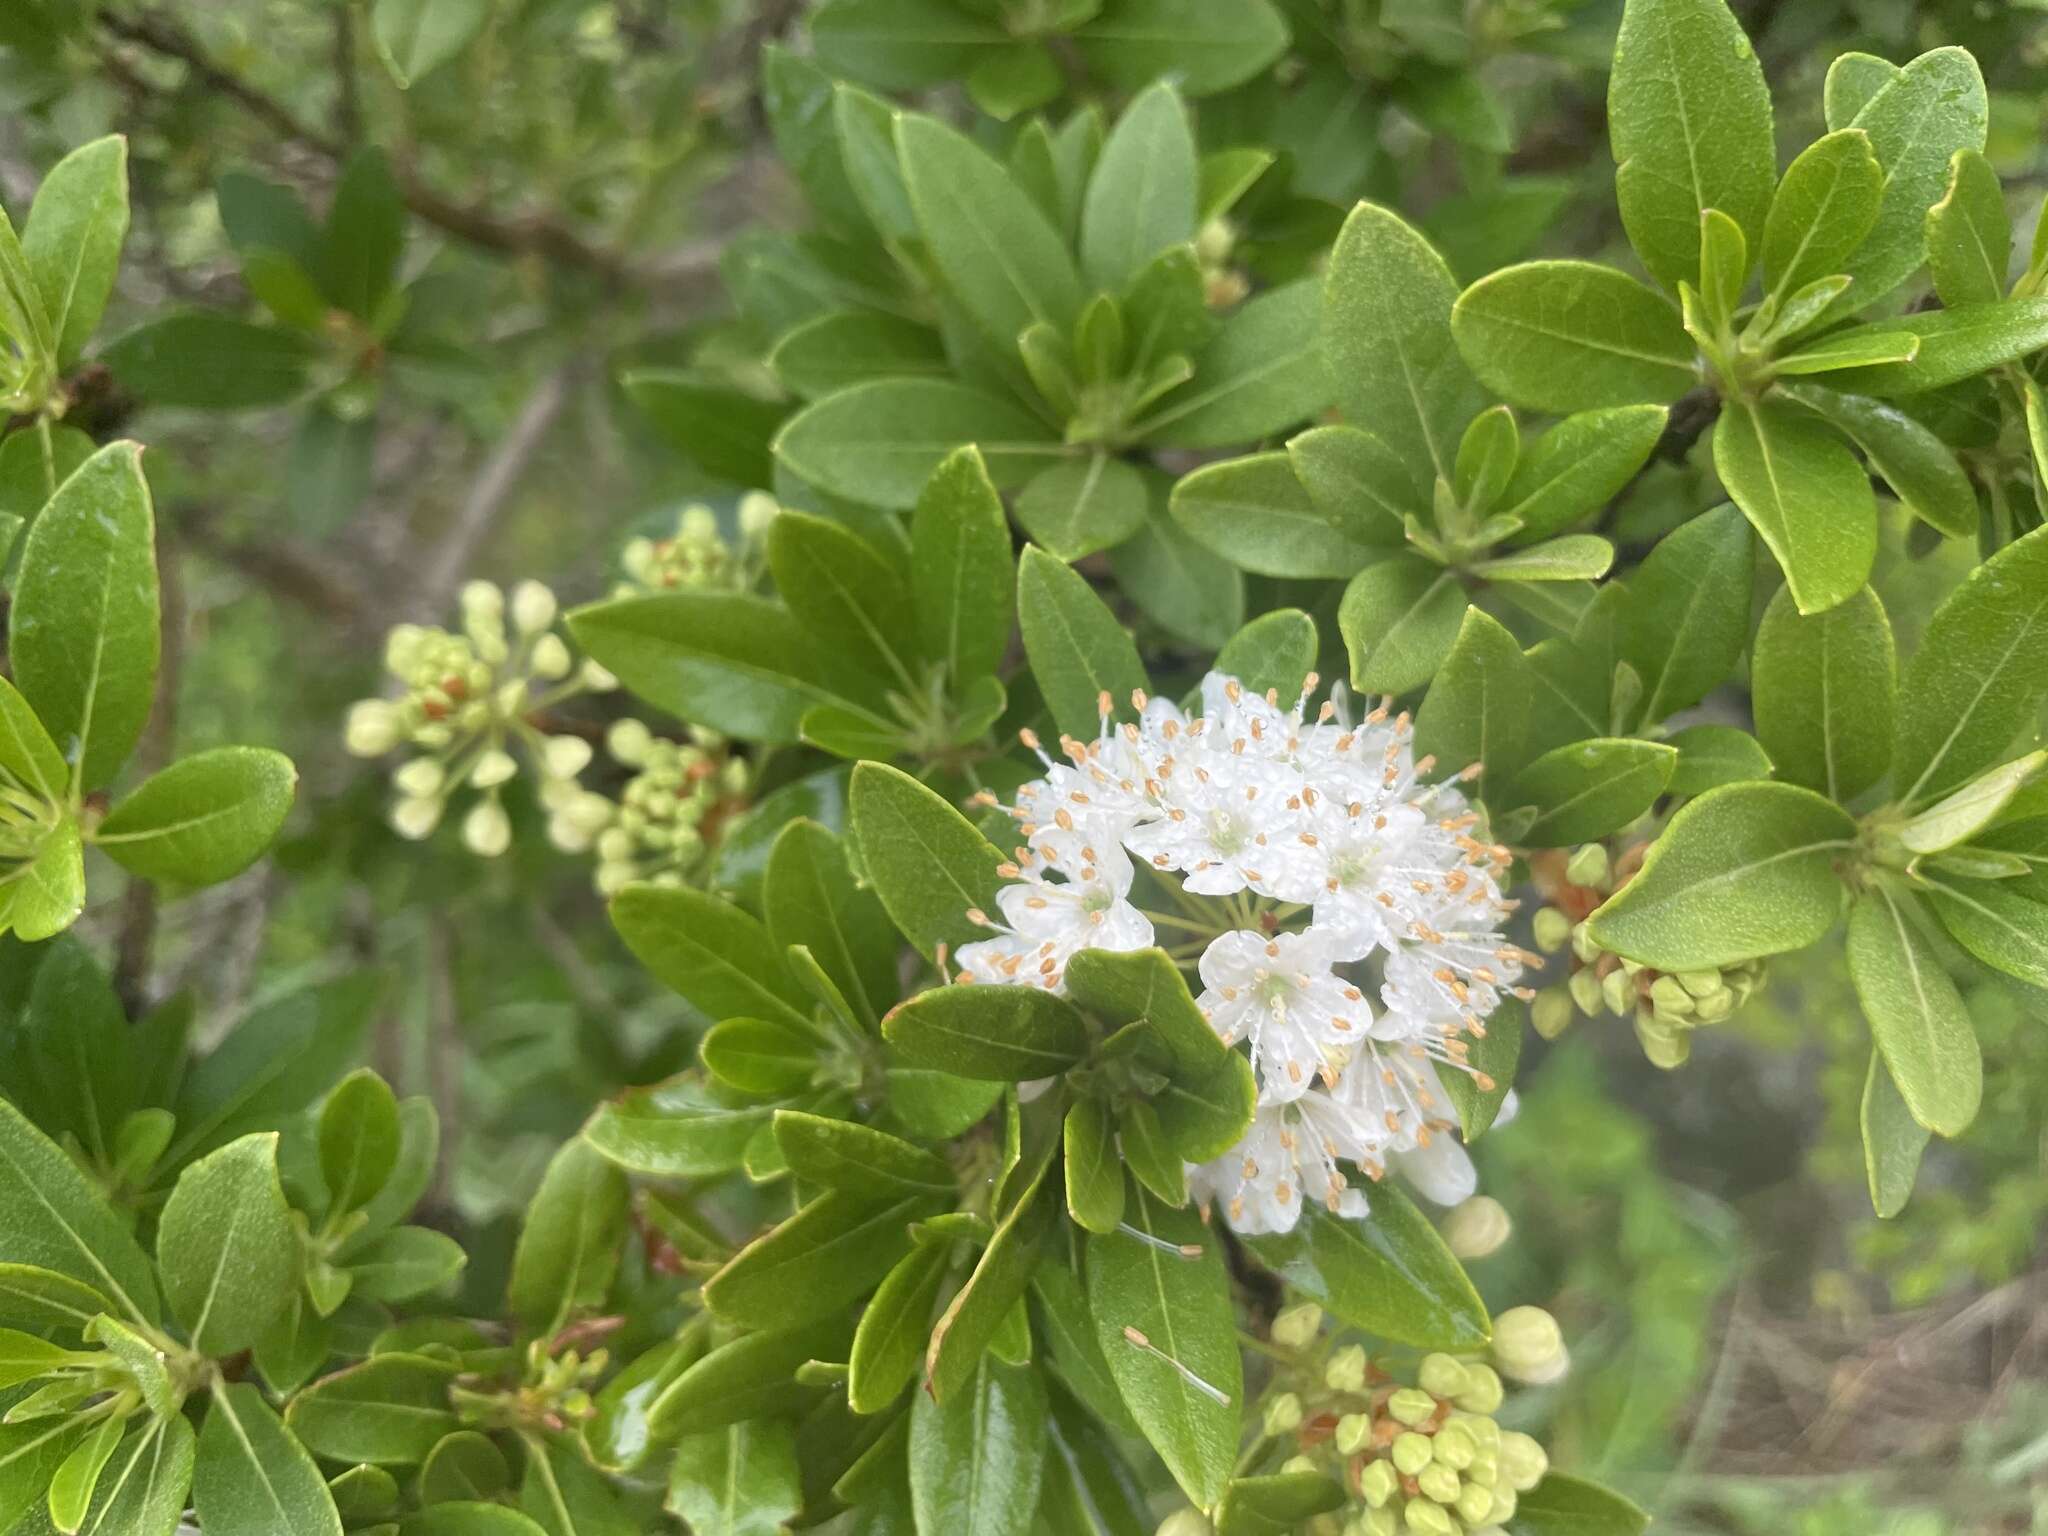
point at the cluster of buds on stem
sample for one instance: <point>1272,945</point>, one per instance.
<point>1665,1006</point>
<point>474,705</point>
<point>1418,1450</point>
<point>668,816</point>
<point>697,556</point>
<point>555,1395</point>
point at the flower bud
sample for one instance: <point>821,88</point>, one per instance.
<point>1346,1370</point>
<point>1411,1406</point>
<point>551,661</point>
<point>1378,1483</point>
<point>1502,1509</point>
<point>611,878</point>
<point>1666,1045</point>
<point>1456,1446</point>
<point>494,766</point>
<point>1474,1503</point>
<point>1476,1228</point>
<point>481,600</point>
<point>1585,990</point>
<point>1668,997</point>
<point>1427,1519</point>
<point>415,818</point>
<point>1442,1376</point>
<point>596,678</point>
<point>1186,1522</point>
<point>1300,1464</point>
<point>1553,930</point>
<point>420,779</point>
<point>1522,1460</point>
<point>373,728</point>
<point>1354,1433</point>
<point>565,756</point>
<point>402,649</point>
<point>487,830</point>
<point>1438,1482</point>
<point>1526,1341</point>
<point>1484,1394</point>
<point>1618,992</point>
<point>533,607</point>
<point>1283,1415</point>
<point>628,741</point>
<point>757,510</point>
<point>1588,866</point>
<point>1411,1453</point>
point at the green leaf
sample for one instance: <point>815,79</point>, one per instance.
<point>251,1476</point>
<point>972,1327</point>
<point>359,1140</point>
<point>1572,336</point>
<point>1712,755</point>
<point>463,1517</point>
<point>1860,346</point>
<point>838,1154</point>
<point>1578,466</point>
<point>1967,812</point>
<point>1399,619</point>
<point>997,253</point>
<point>226,1248</point>
<point>844,593</point>
<point>717,956</point>
<point>1916,1015</point>
<point>72,241</point>
<point>46,895</point>
<point>1823,209</point>
<point>1181,585</point>
<point>1803,491</point>
<point>82,634</point>
<point>1689,120</point>
<point>831,1251</point>
<point>143,1489</point>
<point>1892,1140</point>
<point>404,1263</point>
<point>1359,484</point>
<point>902,45</point>
<point>33,1297</point>
<point>1261,373</point>
<point>1077,649</point>
<point>738,1481</point>
<point>1277,1503</point>
<point>390,1411</point>
<point>52,1218</point>
<point>745,1379</point>
<point>1916,122</point>
<point>960,569</point>
<point>1495,1055</point>
<point>569,1243</point>
<point>1587,789</point>
<point>1919,467</point>
<point>1955,344</point>
<point>416,37</point>
<point>895,1327</point>
<point>810,898</point>
<point>1163,1282</point>
<point>1206,48</point>
<point>757,1056</point>
<point>1824,690</point>
<point>1094,1172</point>
<point>204,818</point>
<point>1743,871</point>
<point>976,1462</point>
<point>1078,506</point>
<point>1969,234</point>
<point>212,362</point>
<point>838,350</point>
<point>1974,684</point>
<point>1574,557</point>
<point>925,860</point>
<point>1256,514</point>
<point>1477,710</point>
<point>1851,81</point>
<point>1571,1506</point>
<point>1141,198</point>
<point>997,1034</point>
<point>463,1465</point>
<point>1387,300</point>
<point>1389,1273</point>
<point>1277,650</point>
<point>2006,930</point>
<point>878,443</point>
<point>725,432</point>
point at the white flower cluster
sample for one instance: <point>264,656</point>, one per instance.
<point>1368,874</point>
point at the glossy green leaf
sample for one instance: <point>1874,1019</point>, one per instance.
<point>848,347</point>
<point>1578,466</point>
<point>390,1411</point>
<point>226,1247</point>
<point>720,958</point>
<point>1712,755</point>
<point>1078,506</point>
<point>1743,871</point>
<point>1477,710</point>
<point>1572,336</point>
<point>1261,373</point>
<point>1822,210</point>
<point>1094,1172</point>
<point>1277,650</point>
<point>1920,468</point>
<point>1399,619</point>
<point>878,443</point>
<point>811,898</point>
<point>995,1033</point>
<point>1805,494</point>
<point>960,569</point>
<point>1893,1140</point>
<point>1571,1506</point>
<point>1258,515</point>
<point>1824,690</point>
<point>895,1327</point>
<point>977,1461</point>
<point>1955,344</point>
<point>569,1243</point>
<point>925,860</point>
<point>1141,198</point>
<point>840,1154</point>
<point>1206,48</point>
<point>1078,650</point>
<point>204,818</point>
<point>831,1251</point>
<point>1969,234</point>
<point>2008,931</point>
<point>739,1481</point>
<point>746,1379</point>
<point>52,1217</point>
<point>845,593</point>
<point>1916,1015</point>
<point>72,240</point>
<point>404,1263</point>
<point>1587,789</point>
<point>1276,1503</point>
<point>213,362</point>
<point>252,1477</point>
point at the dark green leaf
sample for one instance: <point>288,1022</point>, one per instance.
<point>226,1248</point>
<point>925,860</point>
<point>717,956</point>
<point>1572,336</point>
<point>996,1033</point>
<point>877,443</point>
<point>252,1477</point>
<point>390,1411</point>
<point>1824,690</point>
<point>569,1243</point>
<point>1916,1015</point>
<point>1686,616</point>
<point>1399,619</point>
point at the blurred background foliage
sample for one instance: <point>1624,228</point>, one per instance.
<point>582,186</point>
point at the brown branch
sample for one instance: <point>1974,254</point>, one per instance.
<point>522,235</point>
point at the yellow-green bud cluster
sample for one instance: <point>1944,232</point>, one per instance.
<point>697,556</point>
<point>468,707</point>
<point>556,1394</point>
<point>1421,1458</point>
<point>1664,1006</point>
<point>668,813</point>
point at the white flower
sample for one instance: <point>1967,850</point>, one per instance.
<point>1072,896</point>
<point>1290,1155</point>
<point>1280,992</point>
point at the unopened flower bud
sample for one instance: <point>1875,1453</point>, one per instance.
<point>1439,1482</point>
<point>1354,1433</point>
<point>373,728</point>
<point>1474,1503</point>
<point>1346,1370</point>
<point>1502,1508</point>
<point>1668,997</point>
<point>1442,1376</point>
<point>1664,1044</point>
<point>533,607</point>
<point>1476,1228</point>
<point>627,741</point>
<point>1526,1340</point>
<point>1618,992</point>
<point>1522,1460</point>
<point>1411,1453</point>
<point>1411,1406</point>
<point>1300,1464</point>
<point>596,678</point>
<point>420,779</point>
<point>1484,1394</point>
<point>551,661</point>
<point>1553,930</point>
<point>1427,1519</point>
<point>565,756</point>
<point>1584,950</point>
<point>1551,1012</point>
<point>1186,1522</point>
<point>1456,1446</point>
<point>757,510</point>
<point>1283,1414</point>
<point>494,766</point>
<point>415,818</point>
<point>487,830</point>
<point>1378,1483</point>
<point>1588,866</point>
<point>1585,990</point>
<point>481,600</point>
